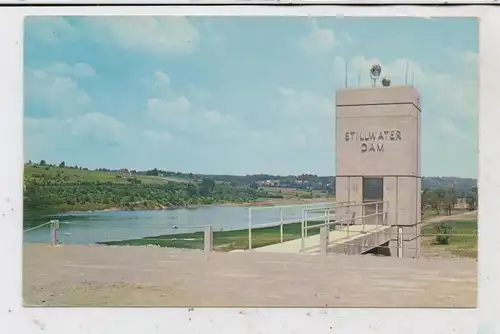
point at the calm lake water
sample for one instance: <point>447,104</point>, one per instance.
<point>92,227</point>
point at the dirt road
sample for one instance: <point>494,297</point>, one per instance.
<point>148,276</point>
<point>460,216</point>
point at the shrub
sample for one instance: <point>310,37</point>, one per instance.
<point>443,234</point>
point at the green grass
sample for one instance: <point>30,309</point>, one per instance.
<point>463,240</point>
<point>73,175</point>
<point>223,240</point>
<point>290,193</point>
<point>463,246</point>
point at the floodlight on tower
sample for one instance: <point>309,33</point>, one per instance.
<point>386,81</point>
<point>375,72</point>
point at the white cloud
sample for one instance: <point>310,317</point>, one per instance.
<point>161,79</point>
<point>178,113</point>
<point>59,94</point>
<point>154,35</point>
<point>215,117</point>
<point>99,127</point>
<point>170,113</point>
<point>306,104</point>
<point>76,70</point>
<point>321,41</point>
<point>452,94</point>
<point>157,137</point>
<point>471,58</point>
<point>94,125</point>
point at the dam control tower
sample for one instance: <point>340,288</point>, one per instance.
<point>378,157</point>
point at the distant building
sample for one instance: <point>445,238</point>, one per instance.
<point>268,183</point>
<point>461,203</point>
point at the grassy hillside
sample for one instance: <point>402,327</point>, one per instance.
<point>80,189</point>
<point>67,175</point>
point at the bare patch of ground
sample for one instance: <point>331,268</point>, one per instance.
<point>150,276</point>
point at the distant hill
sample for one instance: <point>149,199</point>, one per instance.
<point>462,185</point>
<point>62,188</point>
<point>53,174</point>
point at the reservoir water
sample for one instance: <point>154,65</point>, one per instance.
<point>92,227</point>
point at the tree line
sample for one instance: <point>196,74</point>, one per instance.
<point>444,200</point>
<point>43,190</point>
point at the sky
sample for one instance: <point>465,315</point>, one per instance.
<point>237,95</point>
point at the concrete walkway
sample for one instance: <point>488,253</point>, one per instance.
<point>311,244</point>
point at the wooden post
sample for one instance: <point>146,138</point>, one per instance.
<point>209,239</point>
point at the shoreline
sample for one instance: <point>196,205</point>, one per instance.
<point>270,202</point>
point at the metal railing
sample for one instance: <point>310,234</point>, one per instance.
<point>54,230</point>
<point>54,225</point>
<point>460,245</point>
<point>282,222</point>
<point>344,209</point>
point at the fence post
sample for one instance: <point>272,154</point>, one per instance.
<point>55,232</point>
<point>323,240</point>
<point>281,225</point>
<point>209,242</point>
<point>249,228</point>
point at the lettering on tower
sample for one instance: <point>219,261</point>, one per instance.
<point>373,141</point>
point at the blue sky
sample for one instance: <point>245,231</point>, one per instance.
<point>237,95</point>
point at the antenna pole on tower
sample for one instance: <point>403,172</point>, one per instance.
<point>346,62</point>
<point>406,74</point>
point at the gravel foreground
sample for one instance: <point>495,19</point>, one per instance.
<point>74,275</point>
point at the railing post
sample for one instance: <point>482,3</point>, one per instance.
<point>307,216</point>
<point>281,225</point>
<point>328,219</point>
<point>323,240</point>
<point>302,230</point>
<point>209,239</point>
<point>400,242</point>
<point>363,221</point>
<point>325,220</point>
<point>378,217</point>
<point>249,228</point>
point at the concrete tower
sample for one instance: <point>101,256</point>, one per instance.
<point>378,157</point>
